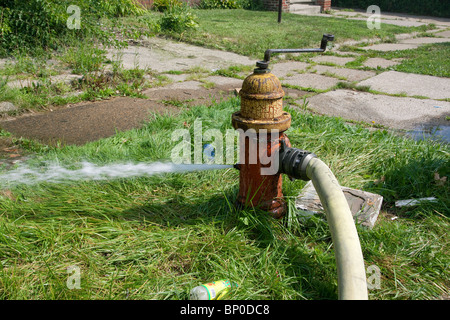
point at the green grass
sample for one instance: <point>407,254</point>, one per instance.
<point>96,83</point>
<point>251,33</point>
<point>430,59</point>
<point>158,237</point>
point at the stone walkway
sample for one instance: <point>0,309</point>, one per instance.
<point>402,101</point>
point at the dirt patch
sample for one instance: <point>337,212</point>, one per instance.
<point>85,122</point>
<point>82,123</point>
<point>10,153</point>
<point>190,94</point>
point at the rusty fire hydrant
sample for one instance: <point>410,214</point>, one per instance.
<point>262,123</point>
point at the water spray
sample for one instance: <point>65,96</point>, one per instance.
<point>56,173</point>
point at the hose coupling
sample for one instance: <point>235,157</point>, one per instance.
<point>293,161</point>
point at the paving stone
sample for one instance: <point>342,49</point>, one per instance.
<point>6,106</point>
<point>3,62</point>
<point>412,84</point>
<point>380,62</point>
<point>283,69</point>
<point>403,23</point>
<point>66,78</point>
<point>310,80</point>
<point>445,34</point>
<point>343,53</point>
<point>333,59</point>
<point>186,85</point>
<point>163,55</point>
<point>425,40</point>
<point>391,46</point>
<point>393,112</point>
<point>348,74</point>
<point>177,77</point>
<point>218,80</point>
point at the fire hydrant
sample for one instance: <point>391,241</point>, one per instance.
<point>264,145</point>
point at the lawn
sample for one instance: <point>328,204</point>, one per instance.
<point>158,237</point>
<point>251,33</point>
<point>428,59</point>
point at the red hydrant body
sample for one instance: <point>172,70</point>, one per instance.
<point>262,123</point>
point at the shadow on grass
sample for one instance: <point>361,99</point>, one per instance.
<point>422,177</point>
<point>310,276</point>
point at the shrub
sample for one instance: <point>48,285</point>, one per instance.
<point>178,18</point>
<point>43,23</point>
<point>163,5</point>
<point>220,4</point>
<point>121,8</point>
<point>32,22</point>
<point>252,4</point>
<point>231,4</point>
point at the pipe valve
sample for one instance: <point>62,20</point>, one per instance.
<point>293,161</point>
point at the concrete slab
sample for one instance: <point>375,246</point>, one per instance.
<point>185,85</point>
<point>225,81</point>
<point>403,23</point>
<point>412,84</point>
<point>293,93</point>
<point>6,107</point>
<point>444,34</point>
<point>379,62</point>
<point>177,77</point>
<point>310,80</point>
<point>3,62</point>
<point>344,53</point>
<point>65,78</point>
<point>393,112</point>
<point>22,83</point>
<point>425,40</point>
<point>282,69</point>
<point>348,74</point>
<point>365,206</point>
<point>304,9</point>
<point>390,46</point>
<point>341,61</point>
<point>163,55</point>
<point>192,93</point>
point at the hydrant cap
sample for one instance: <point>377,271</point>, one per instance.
<point>261,86</point>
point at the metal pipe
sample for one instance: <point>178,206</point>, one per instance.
<point>280,8</point>
<point>323,46</point>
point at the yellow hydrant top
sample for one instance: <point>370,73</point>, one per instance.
<point>261,103</point>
